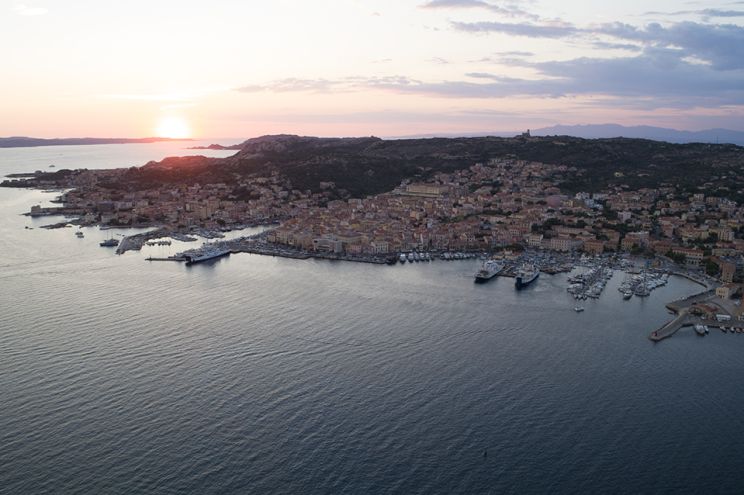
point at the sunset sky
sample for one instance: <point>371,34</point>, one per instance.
<point>229,68</point>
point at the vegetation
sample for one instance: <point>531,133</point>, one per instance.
<point>366,166</point>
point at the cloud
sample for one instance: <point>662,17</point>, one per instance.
<point>530,30</point>
<point>706,13</point>
<point>721,45</point>
<point>655,78</point>
<point>186,96</point>
<point>21,9</point>
<point>507,11</point>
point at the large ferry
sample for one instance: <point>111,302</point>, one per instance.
<point>206,255</point>
<point>488,270</point>
<point>526,275</point>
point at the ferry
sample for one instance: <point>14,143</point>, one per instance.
<point>488,270</point>
<point>206,255</point>
<point>526,275</point>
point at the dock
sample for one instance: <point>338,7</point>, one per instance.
<point>683,319</point>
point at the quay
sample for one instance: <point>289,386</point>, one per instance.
<point>683,319</point>
<point>706,309</point>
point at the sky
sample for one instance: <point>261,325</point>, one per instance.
<point>238,69</point>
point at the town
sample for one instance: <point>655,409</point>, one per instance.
<point>503,203</point>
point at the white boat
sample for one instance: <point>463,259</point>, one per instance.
<point>526,275</point>
<point>402,258</point>
<point>110,242</point>
<point>578,309</point>
<point>488,270</point>
<point>205,255</point>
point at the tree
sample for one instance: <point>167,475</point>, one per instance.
<point>676,257</point>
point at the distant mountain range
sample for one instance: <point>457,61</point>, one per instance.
<point>608,131</point>
<point>27,142</point>
<point>643,132</point>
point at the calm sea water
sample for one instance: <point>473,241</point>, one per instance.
<point>266,375</point>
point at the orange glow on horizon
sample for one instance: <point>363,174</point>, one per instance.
<point>173,127</point>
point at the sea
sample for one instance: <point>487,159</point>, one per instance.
<point>260,375</point>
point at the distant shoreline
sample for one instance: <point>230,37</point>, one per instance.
<point>30,142</point>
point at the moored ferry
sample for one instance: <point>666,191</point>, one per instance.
<point>488,270</point>
<point>526,275</point>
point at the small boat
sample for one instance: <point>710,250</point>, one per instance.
<point>110,242</point>
<point>80,234</point>
<point>578,309</point>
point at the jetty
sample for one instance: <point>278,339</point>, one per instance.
<point>683,319</point>
<point>705,309</point>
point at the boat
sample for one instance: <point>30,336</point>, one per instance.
<point>488,270</point>
<point>110,242</point>
<point>526,275</point>
<point>411,258</point>
<point>80,234</point>
<point>699,329</point>
<point>205,255</point>
<point>578,309</point>
<point>402,258</point>
<point>642,290</point>
<point>627,294</point>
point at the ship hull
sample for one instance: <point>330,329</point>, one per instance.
<point>522,282</point>
<point>201,259</point>
<point>482,279</point>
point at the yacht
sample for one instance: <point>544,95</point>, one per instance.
<point>110,242</point>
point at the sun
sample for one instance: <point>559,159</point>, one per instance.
<point>173,127</point>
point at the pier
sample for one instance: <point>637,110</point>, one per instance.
<point>716,308</point>
<point>683,319</point>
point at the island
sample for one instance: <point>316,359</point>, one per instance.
<point>28,142</point>
<point>678,206</point>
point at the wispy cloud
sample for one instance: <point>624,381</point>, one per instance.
<point>508,10</point>
<point>22,9</point>
<point>554,29</point>
<point>705,13</point>
<point>174,97</point>
<point>655,78</point>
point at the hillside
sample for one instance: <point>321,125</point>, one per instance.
<point>369,165</point>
